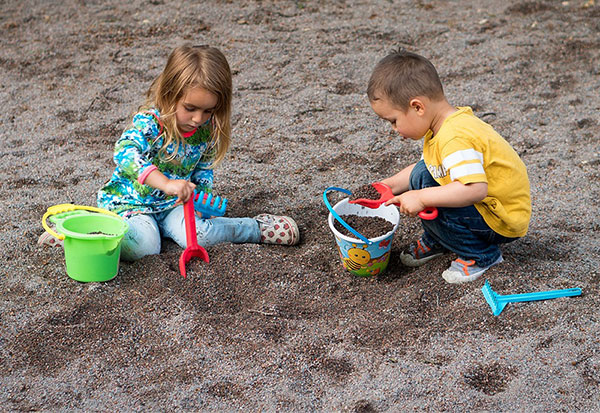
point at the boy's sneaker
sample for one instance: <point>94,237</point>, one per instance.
<point>419,253</point>
<point>277,229</point>
<point>461,271</point>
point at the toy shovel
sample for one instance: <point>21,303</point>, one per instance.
<point>192,249</point>
<point>497,301</point>
<point>386,194</point>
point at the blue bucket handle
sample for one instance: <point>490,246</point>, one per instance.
<point>339,218</point>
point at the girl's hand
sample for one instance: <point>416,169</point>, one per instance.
<point>181,188</point>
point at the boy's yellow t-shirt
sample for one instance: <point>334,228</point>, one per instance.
<point>466,149</point>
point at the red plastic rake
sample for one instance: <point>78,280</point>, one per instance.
<point>192,249</point>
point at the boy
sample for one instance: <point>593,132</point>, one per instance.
<point>468,171</point>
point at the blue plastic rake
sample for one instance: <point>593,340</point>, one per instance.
<point>209,205</point>
<point>497,301</point>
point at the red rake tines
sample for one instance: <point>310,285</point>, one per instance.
<point>193,249</point>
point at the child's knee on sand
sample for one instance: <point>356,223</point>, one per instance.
<point>143,238</point>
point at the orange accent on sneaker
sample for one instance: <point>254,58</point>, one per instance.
<point>420,247</point>
<point>466,265</point>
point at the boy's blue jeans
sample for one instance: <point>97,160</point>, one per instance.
<point>145,231</point>
<point>460,230</point>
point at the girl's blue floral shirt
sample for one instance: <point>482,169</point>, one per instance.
<point>137,150</point>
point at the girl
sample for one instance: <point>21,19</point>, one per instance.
<point>177,137</point>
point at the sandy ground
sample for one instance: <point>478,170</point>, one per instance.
<point>267,328</point>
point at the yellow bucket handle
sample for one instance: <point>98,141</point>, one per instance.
<point>59,209</point>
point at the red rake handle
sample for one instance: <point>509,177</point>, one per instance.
<point>190,223</point>
<point>429,213</point>
<point>192,249</point>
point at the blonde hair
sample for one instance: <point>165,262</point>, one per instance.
<point>190,67</point>
<point>402,76</point>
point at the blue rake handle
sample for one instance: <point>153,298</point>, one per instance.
<point>542,295</point>
<point>339,218</point>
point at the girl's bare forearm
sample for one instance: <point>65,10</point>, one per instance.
<point>157,180</point>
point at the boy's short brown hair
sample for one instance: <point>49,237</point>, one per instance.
<point>402,76</point>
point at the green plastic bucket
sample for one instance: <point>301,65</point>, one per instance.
<point>361,256</point>
<point>92,244</point>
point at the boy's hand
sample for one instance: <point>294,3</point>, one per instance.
<point>409,203</point>
<point>181,188</point>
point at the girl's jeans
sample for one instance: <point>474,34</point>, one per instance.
<point>460,230</point>
<point>145,231</point>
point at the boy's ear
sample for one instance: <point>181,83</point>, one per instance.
<point>418,105</point>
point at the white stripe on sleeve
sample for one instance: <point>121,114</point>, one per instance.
<point>465,170</point>
<point>461,156</point>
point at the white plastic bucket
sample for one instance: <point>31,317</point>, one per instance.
<point>357,256</point>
